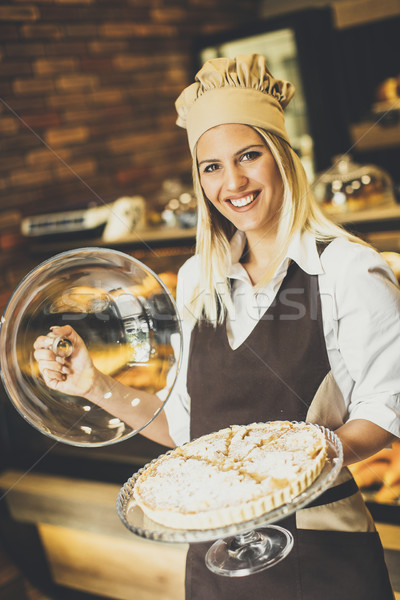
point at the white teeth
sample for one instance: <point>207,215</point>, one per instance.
<point>242,201</point>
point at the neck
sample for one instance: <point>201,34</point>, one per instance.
<point>260,258</point>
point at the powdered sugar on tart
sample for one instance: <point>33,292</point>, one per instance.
<point>233,475</point>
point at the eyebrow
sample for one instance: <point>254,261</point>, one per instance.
<point>241,151</point>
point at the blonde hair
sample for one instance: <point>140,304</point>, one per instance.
<point>299,212</point>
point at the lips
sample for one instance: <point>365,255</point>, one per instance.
<point>242,201</point>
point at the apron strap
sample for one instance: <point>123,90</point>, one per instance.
<point>339,492</point>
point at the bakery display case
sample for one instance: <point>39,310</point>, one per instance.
<point>350,187</point>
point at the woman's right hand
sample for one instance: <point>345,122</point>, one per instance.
<point>74,375</point>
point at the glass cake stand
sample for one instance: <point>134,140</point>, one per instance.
<point>241,548</point>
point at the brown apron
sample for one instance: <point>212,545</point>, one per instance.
<point>274,375</point>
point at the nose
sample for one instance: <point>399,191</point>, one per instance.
<point>235,178</point>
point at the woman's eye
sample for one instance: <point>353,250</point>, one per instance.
<point>252,155</point>
<point>210,168</point>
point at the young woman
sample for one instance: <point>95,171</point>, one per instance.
<point>285,316</point>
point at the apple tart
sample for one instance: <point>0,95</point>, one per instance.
<point>232,475</point>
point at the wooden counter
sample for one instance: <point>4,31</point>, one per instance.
<point>87,546</point>
<point>89,549</point>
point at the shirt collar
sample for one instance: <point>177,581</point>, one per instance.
<point>302,249</point>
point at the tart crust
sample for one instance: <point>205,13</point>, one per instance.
<point>233,475</point>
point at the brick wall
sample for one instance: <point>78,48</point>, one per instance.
<point>87,91</point>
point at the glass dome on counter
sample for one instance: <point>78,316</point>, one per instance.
<point>106,328</point>
<point>348,186</point>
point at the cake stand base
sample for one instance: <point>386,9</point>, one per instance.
<point>249,552</point>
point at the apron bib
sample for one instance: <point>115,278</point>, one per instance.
<point>274,375</point>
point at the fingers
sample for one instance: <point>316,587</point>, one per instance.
<point>58,342</point>
<point>64,331</point>
<point>52,378</point>
<point>47,354</point>
<point>72,343</point>
<point>52,368</point>
<point>43,341</point>
<point>53,365</point>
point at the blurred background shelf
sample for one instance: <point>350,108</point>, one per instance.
<point>373,135</point>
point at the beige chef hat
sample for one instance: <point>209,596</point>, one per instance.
<point>239,90</point>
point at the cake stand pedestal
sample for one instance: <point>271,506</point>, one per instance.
<point>241,548</point>
<point>249,552</point>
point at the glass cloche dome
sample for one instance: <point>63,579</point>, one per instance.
<point>348,186</point>
<point>90,346</point>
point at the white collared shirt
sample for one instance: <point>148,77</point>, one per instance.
<point>360,302</point>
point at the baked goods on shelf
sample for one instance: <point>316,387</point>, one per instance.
<point>378,476</point>
<point>348,186</point>
<point>233,475</point>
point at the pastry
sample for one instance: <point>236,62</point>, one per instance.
<point>232,475</point>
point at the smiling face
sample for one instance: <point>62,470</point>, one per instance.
<point>240,177</point>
